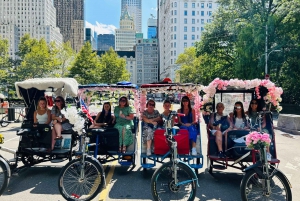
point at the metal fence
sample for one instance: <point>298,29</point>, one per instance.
<point>19,112</point>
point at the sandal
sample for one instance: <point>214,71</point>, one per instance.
<point>124,149</point>
<point>59,138</point>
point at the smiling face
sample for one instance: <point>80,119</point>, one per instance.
<point>106,107</point>
<point>123,102</point>
<point>220,108</point>
<point>42,104</point>
<point>254,105</point>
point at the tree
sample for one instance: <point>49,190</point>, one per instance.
<point>66,57</point>
<point>86,68</point>
<point>4,60</point>
<point>113,68</point>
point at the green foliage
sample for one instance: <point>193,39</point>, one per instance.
<point>113,68</point>
<point>66,57</point>
<point>86,67</point>
<point>4,60</point>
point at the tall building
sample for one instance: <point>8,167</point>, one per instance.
<point>180,25</point>
<point>70,20</point>
<point>125,36</point>
<point>146,60</point>
<point>91,37</point>
<point>36,18</point>
<point>152,28</point>
<point>105,41</point>
<point>134,7</point>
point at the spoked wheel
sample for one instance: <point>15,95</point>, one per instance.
<point>4,122</point>
<point>73,186</point>
<point>3,177</point>
<point>254,188</point>
<point>163,185</point>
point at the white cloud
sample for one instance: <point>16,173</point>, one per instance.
<point>101,28</point>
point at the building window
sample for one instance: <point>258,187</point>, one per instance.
<point>175,12</point>
<point>193,13</point>
<point>174,44</point>
<point>210,5</point>
<point>184,45</point>
<point>202,13</point>
<point>192,44</point>
<point>202,28</point>
<point>185,5</point>
<point>172,21</point>
<point>193,37</point>
<point>193,21</point>
<point>193,29</point>
<point>193,5</point>
<point>171,53</point>
<point>202,5</point>
<point>185,37</point>
<point>175,4</point>
<point>171,61</point>
<point>174,36</point>
<point>185,29</point>
<point>185,21</point>
<point>175,20</point>
<point>174,52</point>
<point>185,13</point>
<point>175,28</point>
<point>202,21</point>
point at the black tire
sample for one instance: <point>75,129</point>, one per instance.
<point>4,122</point>
<point>163,186</point>
<point>253,187</point>
<point>70,186</point>
<point>3,177</point>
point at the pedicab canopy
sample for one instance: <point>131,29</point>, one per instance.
<point>263,90</point>
<point>32,89</point>
<point>191,90</point>
<point>95,94</point>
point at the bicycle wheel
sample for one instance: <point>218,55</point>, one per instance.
<point>4,122</point>
<point>254,188</point>
<point>72,187</point>
<point>3,177</point>
<point>163,186</point>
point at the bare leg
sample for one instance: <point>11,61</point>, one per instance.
<point>53,138</point>
<point>194,144</point>
<point>58,129</point>
<point>218,135</point>
<point>123,135</point>
<point>149,142</point>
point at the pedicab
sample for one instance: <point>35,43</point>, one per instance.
<point>107,138</point>
<point>237,155</point>
<point>159,145</point>
<point>35,141</point>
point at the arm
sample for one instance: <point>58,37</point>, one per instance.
<point>49,117</point>
<point>97,117</point>
<point>130,116</point>
<point>264,122</point>
<point>34,118</point>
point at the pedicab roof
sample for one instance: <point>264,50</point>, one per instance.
<point>171,87</point>
<point>60,86</point>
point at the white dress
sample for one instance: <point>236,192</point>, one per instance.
<point>42,119</point>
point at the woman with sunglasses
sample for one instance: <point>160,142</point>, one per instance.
<point>59,122</point>
<point>42,115</point>
<point>238,118</point>
<point>188,121</point>
<point>150,118</point>
<point>124,123</point>
<point>104,118</point>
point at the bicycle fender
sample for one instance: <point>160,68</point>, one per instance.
<point>195,176</point>
<point>7,166</point>
<point>254,166</point>
<point>103,175</point>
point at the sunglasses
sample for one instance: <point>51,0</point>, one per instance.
<point>254,103</point>
<point>238,107</point>
<point>123,100</point>
<point>151,104</point>
<point>185,101</point>
<point>57,101</point>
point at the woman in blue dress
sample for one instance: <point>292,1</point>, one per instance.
<point>188,121</point>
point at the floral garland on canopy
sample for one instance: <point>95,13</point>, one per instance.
<point>271,95</point>
<point>192,89</point>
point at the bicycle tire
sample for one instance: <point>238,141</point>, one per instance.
<point>3,177</point>
<point>4,122</point>
<point>253,188</point>
<point>69,183</point>
<point>163,186</point>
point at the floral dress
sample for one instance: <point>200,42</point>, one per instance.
<point>122,123</point>
<point>148,129</point>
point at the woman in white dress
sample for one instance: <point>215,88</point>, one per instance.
<point>42,115</point>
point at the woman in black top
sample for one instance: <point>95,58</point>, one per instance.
<point>103,118</point>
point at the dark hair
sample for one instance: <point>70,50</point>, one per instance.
<point>63,103</point>
<point>250,108</point>
<point>181,104</point>
<point>151,100</point>
<point>166,101</point>
<point>124,97</point>
<point>235,113</point>
<point>102,115</point>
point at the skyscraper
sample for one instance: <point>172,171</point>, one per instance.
<point>105,41</point>
<point>152,28</point>
<point>125,36</point>
<point>36,18</point>
<point>134,7</point>
<point>70,20</point>
<point>180,25</point>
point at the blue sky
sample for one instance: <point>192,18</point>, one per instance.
<point>103,16</point>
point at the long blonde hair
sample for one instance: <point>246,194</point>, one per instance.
<point>41,99</point>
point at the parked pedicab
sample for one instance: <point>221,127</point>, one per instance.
<point>236,154</point>
<point>36,140</point>
<point>160,145</point>
<point>107,137</point>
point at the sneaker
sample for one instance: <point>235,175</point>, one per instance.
<point>148,152</point>
<point>194,151</point>
<point>269,157</point>
<point>221,154</point>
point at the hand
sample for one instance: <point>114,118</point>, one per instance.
<point>59,119</point>
<point>54,121</point>
<point>154,123</point>
<point>122,116</point>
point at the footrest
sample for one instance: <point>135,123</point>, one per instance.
<point>219,167</point>
<point>57,160</point>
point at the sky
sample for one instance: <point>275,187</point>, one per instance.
<point>103,16</point>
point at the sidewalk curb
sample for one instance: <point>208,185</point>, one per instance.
<point>294,132</point>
